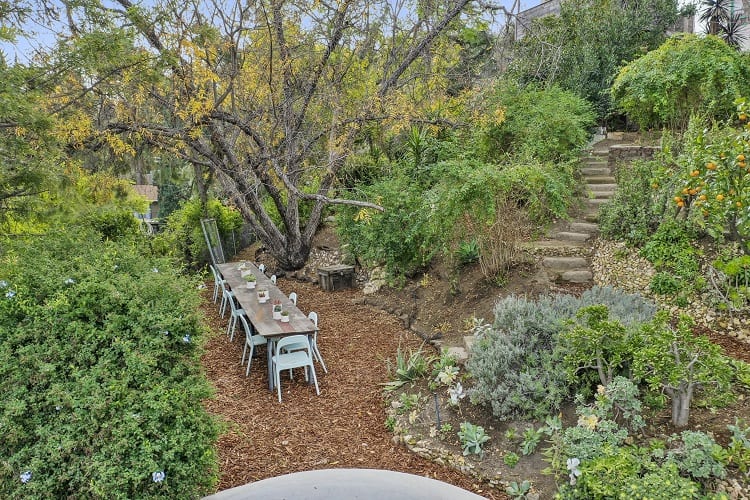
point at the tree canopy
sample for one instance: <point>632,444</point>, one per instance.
<point>265,99</point>
<point>687,74</point>
<point>582,49</point>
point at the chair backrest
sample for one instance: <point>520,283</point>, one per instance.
<point>293,298</point>
<point>262,268</point>
<point>273,279</point>
<point>313,316</point>
<point>215,273</point>
<point>248,331</point>
<point>292,339</point>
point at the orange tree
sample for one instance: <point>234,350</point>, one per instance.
<point>717,179</point>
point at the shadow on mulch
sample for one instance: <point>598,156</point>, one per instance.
<point>341,428</point>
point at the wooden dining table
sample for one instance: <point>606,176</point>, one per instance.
<point>261,315</point>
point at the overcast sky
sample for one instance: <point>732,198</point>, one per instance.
<point>23,49</point>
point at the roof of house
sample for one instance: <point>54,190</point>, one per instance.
<point>151,193</point>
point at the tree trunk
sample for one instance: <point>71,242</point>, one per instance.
<point>681,404</point>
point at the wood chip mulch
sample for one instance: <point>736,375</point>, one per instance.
<point>341,428</point>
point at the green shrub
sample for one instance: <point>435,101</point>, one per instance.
<point>183,235</point>
<point>696,455</point>
<point>662,483</point>
<point>517,364</point>
<point>637,207</point>
<point>672,252</point>
<point>111,223</point>
<point>102,388</point>
<point>545,123</point>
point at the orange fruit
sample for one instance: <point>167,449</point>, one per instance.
<point>685,191</point>
<point>719,197</point>
<point>741,164</point>
<point>698,189</point>
<point>743,117</point>
<point>711,165</point>
<point>694,173</point>
<point>680,203</point>
<point>677,199</point>
<point>692,192</point>
<point>739,204</point>
<point>703,197</point>
<point>740,157</point>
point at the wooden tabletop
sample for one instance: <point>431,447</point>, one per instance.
<point>261,315</point>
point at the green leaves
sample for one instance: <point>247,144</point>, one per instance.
<point>686,75</point>
<point>103,388</point>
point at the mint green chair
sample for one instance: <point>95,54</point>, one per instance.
<point>252,341</point>
<point>301,358</point>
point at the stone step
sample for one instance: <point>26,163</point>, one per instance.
<point>599,179</point>
<point>591,216</point>
<point>592,161</point>
<point>459,353</point>
<point>584,227</point>
<point>601,187</point>
<point>596,171</point>
<point>570,236</point>
<point>577,276</point>
<point>595,203</point>
<point>564,263</point>
<point>602,194</point>
<point>552,245</point>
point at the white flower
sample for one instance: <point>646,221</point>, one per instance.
<point>186,338</point>
<point>69,281</point>
<point>58,407</point>
<point>3,284</point>
<point>155,270</point>
<point>572,465</point>
<point>26,476</point>
<point>456,393</point>
<point>158,476</point>
<point>166,332</point>
<point>10,294</point>
<point>202,286</point>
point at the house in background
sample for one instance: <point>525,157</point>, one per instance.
<point>151,193</point>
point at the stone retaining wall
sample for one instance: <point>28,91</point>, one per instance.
<point>624,153</point>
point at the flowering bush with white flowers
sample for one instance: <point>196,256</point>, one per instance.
<point>97,401</point>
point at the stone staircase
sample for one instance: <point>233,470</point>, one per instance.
<point>564,254</point>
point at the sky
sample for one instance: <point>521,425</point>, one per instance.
<point>23,49</point>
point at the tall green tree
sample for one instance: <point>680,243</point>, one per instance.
<point>265,99</point>
<point>686,75</point>
<point>583,47</point>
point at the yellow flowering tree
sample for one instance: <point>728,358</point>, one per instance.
<point>265,100</point>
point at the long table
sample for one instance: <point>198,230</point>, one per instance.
<point>261,315</point>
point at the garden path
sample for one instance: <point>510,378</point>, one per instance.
<point>343,427</point>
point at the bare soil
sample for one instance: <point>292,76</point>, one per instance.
<point>345,425</point>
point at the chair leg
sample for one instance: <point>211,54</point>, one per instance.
<point>278,383</point>
<point>318,356</point>
<point>250,359</point>
<point>244,350</point>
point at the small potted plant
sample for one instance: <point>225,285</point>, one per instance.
<point>262,295</point>
<point>285,316</point>
<point>251,280</point>
<point>276,309</point>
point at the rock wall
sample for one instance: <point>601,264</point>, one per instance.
<point>624,153</point>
